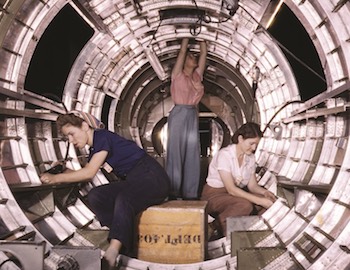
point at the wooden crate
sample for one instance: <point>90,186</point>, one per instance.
<point>173,232</point>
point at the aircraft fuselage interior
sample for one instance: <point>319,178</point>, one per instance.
<point>283,64</point>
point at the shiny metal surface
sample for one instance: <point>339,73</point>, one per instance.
<point>122,74</point>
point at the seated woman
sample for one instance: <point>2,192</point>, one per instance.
<point>231,187</point>
<point>115,204</point>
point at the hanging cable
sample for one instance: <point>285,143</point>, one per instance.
<point>198,24</point>
<point>137,6</point>
<point>284,48</point>
<point>278,111</point>
<point>155,32</point>
<point>230,5</point>
<point>196,28</point>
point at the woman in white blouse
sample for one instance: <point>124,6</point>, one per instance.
<point>231,187</point>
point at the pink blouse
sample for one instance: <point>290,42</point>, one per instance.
<point>187,90</point>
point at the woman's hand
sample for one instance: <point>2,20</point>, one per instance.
<point>268,199</point>
<point>269,195</point>
<point>48,178</point>
<point>264,202</point>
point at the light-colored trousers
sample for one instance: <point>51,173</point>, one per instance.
<point>183,152</point>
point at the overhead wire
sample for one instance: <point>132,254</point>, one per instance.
<point>232,10</point>
<point>283,47</point>
<point>196,28</point>
<point>207,18</point>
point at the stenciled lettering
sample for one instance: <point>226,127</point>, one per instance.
<point>149,238</point>
<point>170,239</point>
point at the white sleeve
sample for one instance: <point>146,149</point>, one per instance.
<point>223,162</point>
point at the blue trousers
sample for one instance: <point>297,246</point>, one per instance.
<point>183,152</point>
<point>116,204</point>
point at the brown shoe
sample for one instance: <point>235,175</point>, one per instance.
<point>214,231</point>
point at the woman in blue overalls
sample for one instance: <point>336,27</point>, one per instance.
<point>115,204</point>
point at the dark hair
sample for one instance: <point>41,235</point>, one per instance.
<point>194,53</point>
<point>247,131</point>
<point>70,119</point>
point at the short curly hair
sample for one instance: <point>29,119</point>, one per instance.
<point>247,131</point>
<point>68,119</point>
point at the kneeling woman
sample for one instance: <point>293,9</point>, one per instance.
<point>115,204</point>
<point>231,188</point>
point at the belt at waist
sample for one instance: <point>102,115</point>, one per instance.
<point>186,106</point>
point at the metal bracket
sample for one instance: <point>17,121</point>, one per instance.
<point>29,254</point>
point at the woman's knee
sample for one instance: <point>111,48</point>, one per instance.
<point>246,208</point>
<point>241,208</point>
